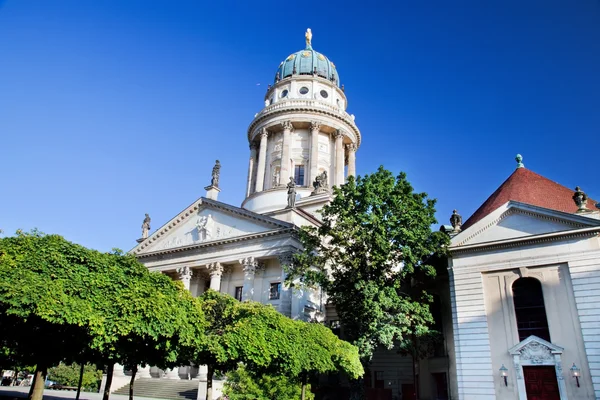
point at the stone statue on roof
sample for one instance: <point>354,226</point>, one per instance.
<point>308,36</point>
<point>146,227</point>
<point>456,220</point>
<point>580,198</point>
<point>291,199</point>
<point>216,171</point>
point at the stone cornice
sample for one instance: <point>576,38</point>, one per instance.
<point>214,243</point>
<point>303,106</point>
<point>525,241</point>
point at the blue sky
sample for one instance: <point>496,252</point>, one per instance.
<point>110,109</point>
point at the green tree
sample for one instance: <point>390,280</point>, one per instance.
<point>267,342</point>
<point>241,384</point>
<point>371,256</point>
<point>68,375</point>
<point>103,307</point>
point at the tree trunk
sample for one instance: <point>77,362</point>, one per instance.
<point>109,376</point>
<point>414,371</point>
<point>303,396</point>
<point>37,387</point>
<point>133,372</point>
<point>80,380</point>
<point>209,382</point>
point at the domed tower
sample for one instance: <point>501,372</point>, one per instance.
<point>304,133</point>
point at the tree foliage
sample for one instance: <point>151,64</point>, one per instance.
<point>87,305</point>
<point>267,342</point>
<point>68,375</point>
<point>241,384</point>
<point>370,256</point>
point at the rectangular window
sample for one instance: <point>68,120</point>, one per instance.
<point>299,174</point>
<point>238,292</point>
<point>275,291</point>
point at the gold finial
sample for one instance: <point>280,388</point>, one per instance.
<point>308,36</point>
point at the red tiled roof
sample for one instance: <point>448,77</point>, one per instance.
<point>526,186</point>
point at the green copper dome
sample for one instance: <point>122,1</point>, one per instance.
<point>307,62</point>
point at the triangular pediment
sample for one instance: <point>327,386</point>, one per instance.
<point>535,347</point>
<point>208,221</point>
<point>515,220</point>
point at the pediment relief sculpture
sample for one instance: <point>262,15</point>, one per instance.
<point>536,353</point>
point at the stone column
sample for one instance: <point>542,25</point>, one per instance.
<point>284,171</point>
<point>172,373</point>
<point>314,151</point>
<point>119,370</point>
<point>339,158</point>
<point>351,159</point>
<point>285,303</point>
<point>251,169</point>
<point>262,155</point>
<point>144,372</point>
<point>249,267</point>
<point>185,276</point>
<point>216,271</point>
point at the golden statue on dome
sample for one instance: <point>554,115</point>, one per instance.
<point>308,36</point>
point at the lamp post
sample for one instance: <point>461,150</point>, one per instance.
<point>504,373</point>
<point>575,373</point>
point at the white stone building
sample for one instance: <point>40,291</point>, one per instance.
<point>528,247</point>
<point>525,293</point>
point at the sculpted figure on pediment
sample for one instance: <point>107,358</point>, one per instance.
<point>536,352</point>
<point>205,226</point>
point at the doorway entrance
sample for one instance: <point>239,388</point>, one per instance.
<point>541,383</point>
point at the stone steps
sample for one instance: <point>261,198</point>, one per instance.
<point>171,389</point>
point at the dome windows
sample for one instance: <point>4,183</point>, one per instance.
<point>284,94</point>
<point>303,90</point>
<point>324,94</point>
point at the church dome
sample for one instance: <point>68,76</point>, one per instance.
<point>307,62</point>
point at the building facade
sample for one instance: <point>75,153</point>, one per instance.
<point>525,288</point>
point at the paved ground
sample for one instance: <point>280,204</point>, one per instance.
<point>18,392</point>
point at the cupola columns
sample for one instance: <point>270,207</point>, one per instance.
<point>262,154</point>
<point>284,172</point>
<point>251,164</point>
<point>339,158</point>
<point>315,127</point>
<point>351,159</point>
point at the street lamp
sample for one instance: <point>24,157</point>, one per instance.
<point>504,373</point>
<point>575,373</point>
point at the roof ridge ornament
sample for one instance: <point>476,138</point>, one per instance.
<point>308,37</point>
<point>519,160</point>
<point>580,199</point>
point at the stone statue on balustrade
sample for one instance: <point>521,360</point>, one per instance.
<point>321,184</point>
<point>291,197</point>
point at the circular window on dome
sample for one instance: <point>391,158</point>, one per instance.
<point>324,94</point>
<point>284,93</point>
<point>303,90</point>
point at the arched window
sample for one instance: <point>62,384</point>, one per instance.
<point>529,309</point>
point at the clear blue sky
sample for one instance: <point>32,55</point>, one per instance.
<point>110,109</point>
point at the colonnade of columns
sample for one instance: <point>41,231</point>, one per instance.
<point>257,164</point>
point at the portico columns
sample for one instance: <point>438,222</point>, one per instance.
<point>284,171</point>
<point>249,267</point>
<point>285,305</point>
<point>185,276</point>
<point>351,159</point>
<point>144,372</point>
<point>216,271</point>
<point>314,151</point>
<point>262,155</point>
<point>339,158</point>
<point>251,169</point>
